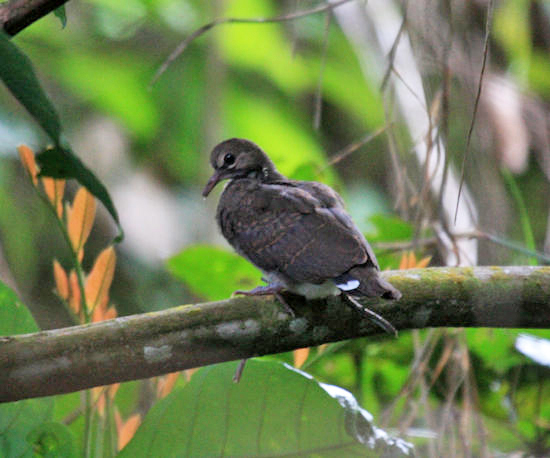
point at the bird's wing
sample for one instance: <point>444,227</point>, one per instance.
<point>332,200</point>
<point>306,236</point>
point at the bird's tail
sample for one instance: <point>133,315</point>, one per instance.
<point>371,284</point>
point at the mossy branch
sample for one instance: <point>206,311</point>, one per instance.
<point>140,346</point>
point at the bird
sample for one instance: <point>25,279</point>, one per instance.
<point>297,233</point>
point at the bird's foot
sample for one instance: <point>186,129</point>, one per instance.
<point>373,316</point>
<point>262,290</point>
<point>273,289</point>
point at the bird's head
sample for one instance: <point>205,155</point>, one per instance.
<point>239,158</point>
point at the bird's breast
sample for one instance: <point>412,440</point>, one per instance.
<point>235,210</point>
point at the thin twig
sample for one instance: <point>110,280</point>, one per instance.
<point>422,242</point>
<point>231,20</point>
<point>293,30</point>
<point>478,234</point>
<point>476,102</point>
<point>513,246</point>
<point>319,91</point>
<point>352,147</point>
<point>391,56</point>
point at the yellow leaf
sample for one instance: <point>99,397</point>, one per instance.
<point>100,278</point>
<point>27,158</point>
<point>54,190</point>
<point>61,280</point>
<point>81,218</point>
<point>300,356</point>
<point>127,429</point>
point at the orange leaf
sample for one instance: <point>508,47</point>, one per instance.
<point>300,356</point>
<point>110,313</point>
<point>100,278</point>
<point>54,190</point>
<point>81,218</point>
<point>423,262</point>
<point>98,397</point>
<point>408,261</point>
<point>100,309</point>
<point>61,280</point>
<point>411,262</point>
<point>102,313</point>
<point>403,263</point>
<point>127,429</point>
<point>118,420</point>
<point>27,158</point>
<point>189,373</point>
<point>166,384</point>
<point>74,293</point>
<point>112,390</point>
<point>100,394</point>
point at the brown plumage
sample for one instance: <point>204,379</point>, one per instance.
<point>297,232</point>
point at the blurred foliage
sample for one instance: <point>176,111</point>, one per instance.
<point>213,273</point>
<point>260,81</point>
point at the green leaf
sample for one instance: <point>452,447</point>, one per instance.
<point>18,74</point>
<point>62,163</point>
<point>52,440</point>
<point>390,228</point>
<point>61,14</point>
<point>18,419</point>
<point>65,407</point>
<point>15,318</point>
<point>213,273</point>
<point>274,410</point>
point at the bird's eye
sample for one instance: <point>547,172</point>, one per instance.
<point>229,159</point>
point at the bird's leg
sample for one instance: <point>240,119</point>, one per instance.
<point>274,289</point>
<point>239,371</point>
<point>367,313</point>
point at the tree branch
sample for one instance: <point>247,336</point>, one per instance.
<point>140,346</point>
<point>15,15</point>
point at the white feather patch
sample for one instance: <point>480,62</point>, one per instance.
<point>350,285</point>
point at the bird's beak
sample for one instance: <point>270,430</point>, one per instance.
<point>216,177</point>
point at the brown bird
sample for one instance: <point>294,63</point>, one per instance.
<point>296,232</point>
